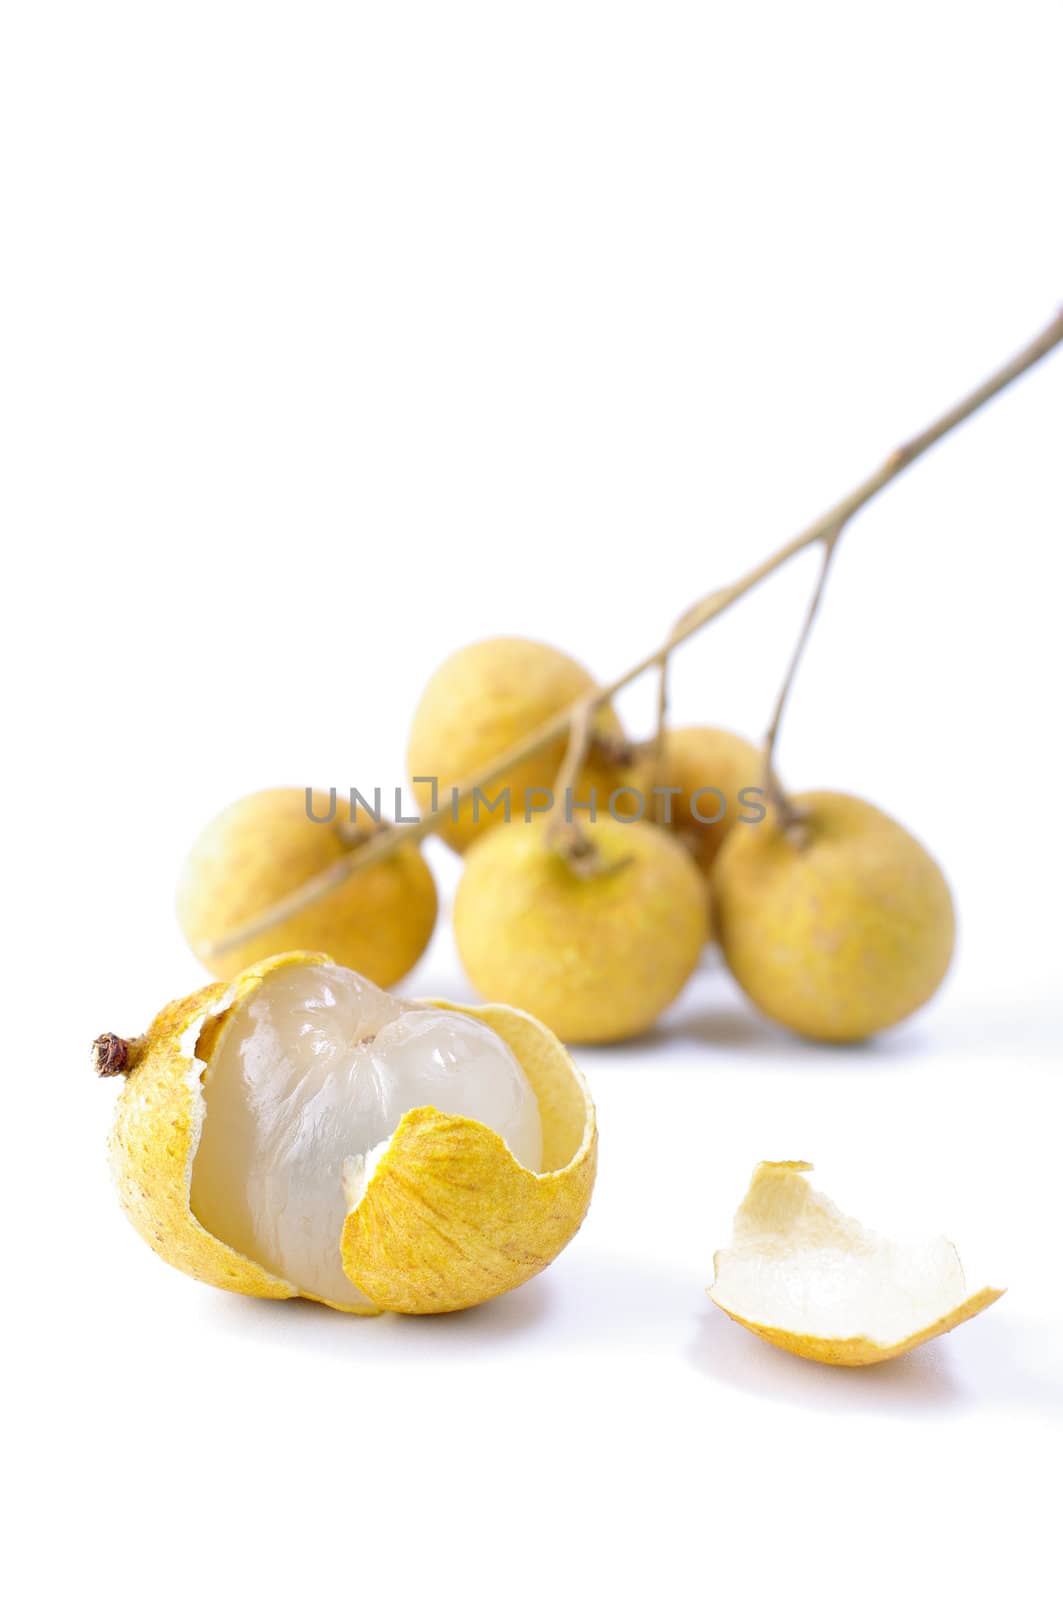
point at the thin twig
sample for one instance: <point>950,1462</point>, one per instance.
<point>562,831</point>
<point>790,818</point>
<point>658,756</point>
<point>384,843</point>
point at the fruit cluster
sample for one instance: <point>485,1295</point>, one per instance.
<point>296,1130</point>
<point>587,896</point>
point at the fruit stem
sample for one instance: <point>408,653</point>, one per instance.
<point>824,530</point>
<point>660,736</point>
<point>792,820</point>
<point>112,1056</point>
<point>658,744</point>
<point>564,834</point>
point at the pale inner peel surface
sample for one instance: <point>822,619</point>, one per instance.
<point>310,1073</point>
<point>798,1263</point>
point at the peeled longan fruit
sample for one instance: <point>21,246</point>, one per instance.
<point>595,957</point>
<point>484,699</point>
<point>697,759</point>
<point>264,847</point>
<point>839,930</point>
<point>300,1132</point>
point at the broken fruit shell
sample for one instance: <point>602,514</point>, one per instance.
<point>264,847</point>
<point>446,1217</point>
<point>810,1280</point>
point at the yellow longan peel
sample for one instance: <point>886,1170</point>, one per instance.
<point>806,1278</point>
<point>447,1217</point>
<point>156,1130</point>
<point>476,1223</point>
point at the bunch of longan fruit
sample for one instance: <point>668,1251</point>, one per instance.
<point>590,913</point>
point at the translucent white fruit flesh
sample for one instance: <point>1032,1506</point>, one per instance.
<point>806,1276</point>
<point>310,1074</point>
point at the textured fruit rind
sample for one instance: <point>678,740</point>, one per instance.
<point>156,1134</point>
<point>838,938</point>
<point>449,1218</point>
<point>376,921</point>
<point>483,700</point>
<point>596,958</point>
<point>777,1210</point>
<point>508,1223</point>
<point>861,1352</point>
<point>708,758</point>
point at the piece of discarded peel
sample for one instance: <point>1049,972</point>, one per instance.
<point>808,1279</point>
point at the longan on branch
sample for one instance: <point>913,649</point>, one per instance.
<point>262,849</point>
<point>842,934</point>
<point>480,703</point>
<point>597,957</point>
<point>833,919</point>
<point>709,768</point>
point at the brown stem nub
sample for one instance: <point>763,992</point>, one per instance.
<point>612,749</point>
<point>581,855</point>
<point>111,1055</point>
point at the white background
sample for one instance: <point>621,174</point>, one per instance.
<point>336,336</point>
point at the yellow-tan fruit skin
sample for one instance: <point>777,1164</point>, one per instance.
<point>507,1223</point>
<point>155,1136</point>
<point>596,958</point>
<point>263,847</point>
<point>861,1352</point>
<point>839,937</point>
<point>763,1213</point>
<point>474,1223</point>
<point>483,700</point>
<point>708,758</point>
